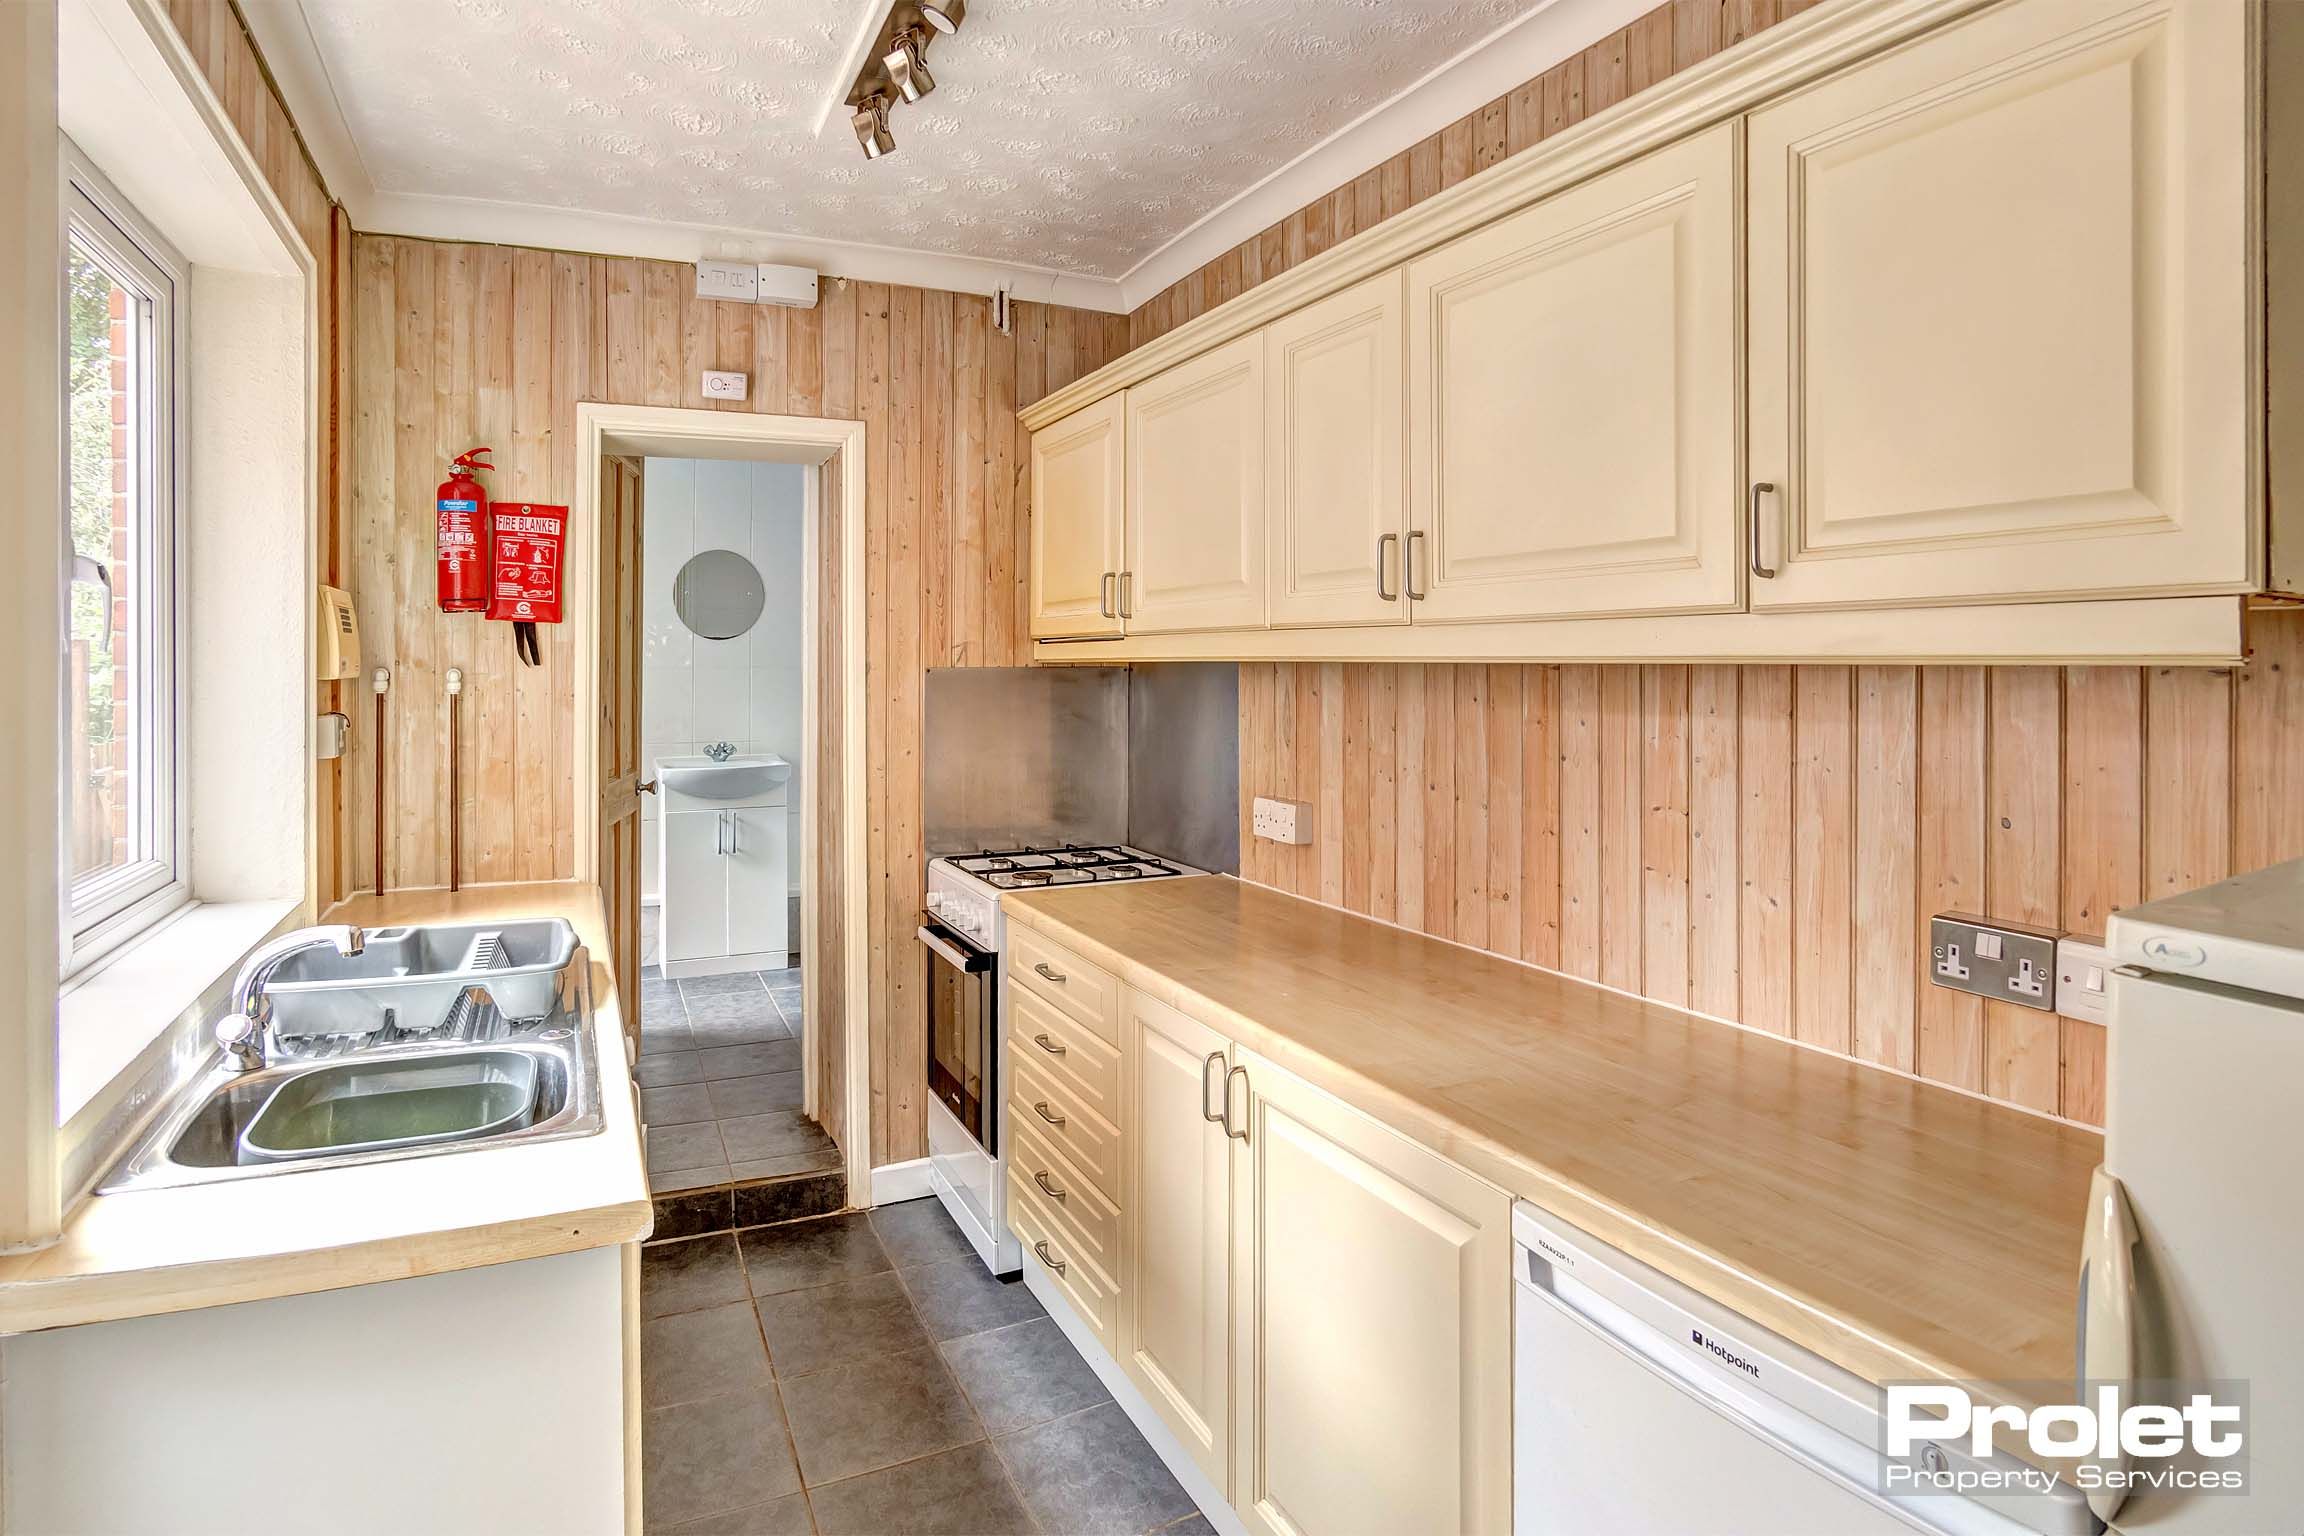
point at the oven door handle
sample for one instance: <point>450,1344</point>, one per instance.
<point>945,945</point>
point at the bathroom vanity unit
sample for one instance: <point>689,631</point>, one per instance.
<point>723,857</point>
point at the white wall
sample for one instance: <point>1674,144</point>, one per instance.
<point>747,690</point>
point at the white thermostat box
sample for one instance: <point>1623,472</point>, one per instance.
<point>792,287</point>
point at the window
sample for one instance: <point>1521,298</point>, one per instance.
<point>123,855</point>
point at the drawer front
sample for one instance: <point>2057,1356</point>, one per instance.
<point>1066,1051</point>
<point>1040,1104</point>
<point>1047,1245</point>
<point>1088,1220</point>
<point>1087,992</point>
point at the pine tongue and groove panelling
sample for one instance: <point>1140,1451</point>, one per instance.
<point>1766,843</point>
<point>462,344</point>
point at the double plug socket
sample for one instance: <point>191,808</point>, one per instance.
<point>2005,961</point>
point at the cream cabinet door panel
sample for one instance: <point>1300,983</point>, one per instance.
<point>1176,1299</point>
<point>1078,491</point>
<point>1999,313</point>
<point>1195,535</point>
<point>1372,1327</point>
<point>1572,400</point>
<point>1335,436</point>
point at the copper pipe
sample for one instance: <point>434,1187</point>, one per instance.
<point>455,775</point>
<point>381,682</point>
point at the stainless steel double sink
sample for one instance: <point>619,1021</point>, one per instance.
<point>455,1073</point>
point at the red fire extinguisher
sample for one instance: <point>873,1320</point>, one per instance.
<point>463,510</point>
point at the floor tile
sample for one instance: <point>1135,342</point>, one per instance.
<point>1024,1375</point>
<point>784,1167</point>
<point>698,1211</point>
<point>708,1457</point>
<point>788,977</point>
<point>680,1104</point>
<point>655,1037</point>
<point>789,1198</point>
<point>918,1232</point>
<point>734,1096</point>
<point>1090,1473</point>
<point>962,1492</point>
<point>779,1133</point>
<point>729,1015</point>
<point>733,984</point>
<point>875,1411</point>
<point>662,1181</point>
<point>960,1297</point>
<point>1191,1525</point>
<point>863,1318</point>
<point>787,1516</point>
<point>751,1060</point>
<point>803,1254</point>
<point>690,1275</point>
<point>701,1354</point>
<point>662,1069</point>
<point>673,1147</point>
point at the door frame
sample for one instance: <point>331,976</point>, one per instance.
<point>818,442</point>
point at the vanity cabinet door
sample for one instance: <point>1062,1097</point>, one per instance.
<point>695,889</point>
<point>1078,470</point>
<point>759,891</point>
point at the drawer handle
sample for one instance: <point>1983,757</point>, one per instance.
<point>1040,969</point>
<point>1047,1258</point>
<point>1041,1109</point>
<point>1241,1130</point>
<point>1212,1116</point>
<point>1052,1191</point>
<point>1048,1045</point>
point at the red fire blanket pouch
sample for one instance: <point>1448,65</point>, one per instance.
<point>526,545</point>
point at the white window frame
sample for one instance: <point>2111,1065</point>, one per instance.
<point>103,911</point>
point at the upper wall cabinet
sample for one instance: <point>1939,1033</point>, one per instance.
<point>1572,405</point>
<point>2000,314</point>
<point>1078,491</point>
<point>1195,525</point>
<point>1335,434</point>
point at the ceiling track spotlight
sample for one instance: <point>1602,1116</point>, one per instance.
<point>896,68</point>
<point>944,15</point>
<point>907,64</point>
<point>871,124</point>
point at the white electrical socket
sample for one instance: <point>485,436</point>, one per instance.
<point>735,281</point>
<point>2084,980</point>
<point>1281,821</point>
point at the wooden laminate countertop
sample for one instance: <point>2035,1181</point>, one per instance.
<point>1899,1229</point>
<point>172,1250</point>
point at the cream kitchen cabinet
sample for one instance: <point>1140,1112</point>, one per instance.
<point>2000,311</point>
<point>1194,530</point>
<point>1335,500</point>
<point>1572,401</point>
<point>1079,466</point>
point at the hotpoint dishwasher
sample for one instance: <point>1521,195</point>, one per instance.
<point>1641,1408</point>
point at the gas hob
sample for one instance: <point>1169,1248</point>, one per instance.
<point>1019,869</point>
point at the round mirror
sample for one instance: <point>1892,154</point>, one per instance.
<point>719,594</point>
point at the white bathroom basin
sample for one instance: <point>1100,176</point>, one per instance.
<point>739,778</point>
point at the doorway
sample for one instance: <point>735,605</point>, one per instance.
<point>779,488</point>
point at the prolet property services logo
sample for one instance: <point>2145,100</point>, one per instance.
<point>1949,1437</point>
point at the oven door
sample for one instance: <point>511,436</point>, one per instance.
<point>962,1015</point>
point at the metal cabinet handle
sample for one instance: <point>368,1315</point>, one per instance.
<point>1040,969</point>
<point>1212,1116</point>
<point>1041,1109</point>
<point>1240,1131</point>
<point>1760,488</point>
<point>1048,1045</point>
<point>1052,1191</point>
<point>720,833</point>
<point>1047,1258</point>
<point>1127,594</point>
<point>735,833</point>
<point>1104,596</point>
<point>1384,564</point>
<point>1408,567</point>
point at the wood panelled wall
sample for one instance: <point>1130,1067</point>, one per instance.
<point>455,345</point>
<point>1766,843</point>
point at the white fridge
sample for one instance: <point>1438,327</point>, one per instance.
<point>2193,1269</point>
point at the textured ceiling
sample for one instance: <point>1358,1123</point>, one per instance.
<point>1080,135</point>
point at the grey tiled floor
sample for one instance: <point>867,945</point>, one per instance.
<point>719,1074</point>
<point>863,1376</point>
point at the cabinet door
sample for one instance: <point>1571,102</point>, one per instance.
<point>1336,433</point>
<point>1195,535</point>
<point>1999,311</point>
<point>1372,1325</point>
<point>759,886</point>
<point>695,893</point>
<point>1572,428</point>
<point>1176,1301</point>
<point>1078,469</point>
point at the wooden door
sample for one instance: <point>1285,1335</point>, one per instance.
<point>1372,1324</point>
<point>1999,313</point>
<point>1078,490</point>
<point>1336,436</point>
<point>1176,1300</point>
<point>1195,526</point>
<point>619,692</point>
<point>1572,427</point>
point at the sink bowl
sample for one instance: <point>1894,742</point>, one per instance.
<point>739,778</point>
<point>379,1106</point>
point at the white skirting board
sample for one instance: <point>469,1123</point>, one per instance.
<point>1171,1451</point>
<point>893,1183</point>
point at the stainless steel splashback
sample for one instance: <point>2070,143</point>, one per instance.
<point>1184,762</point>
<point>1025,755</point>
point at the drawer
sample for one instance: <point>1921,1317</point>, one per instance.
<point>1065,1051</point>
<point>1042,1105</point>
<point>1086,992</point>
<point>1046,1244</point>
<point>1087,1219</point>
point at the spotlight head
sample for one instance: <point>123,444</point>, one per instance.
<point>907,64</point>
<point>870,121</point>
<point>944,15</point>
